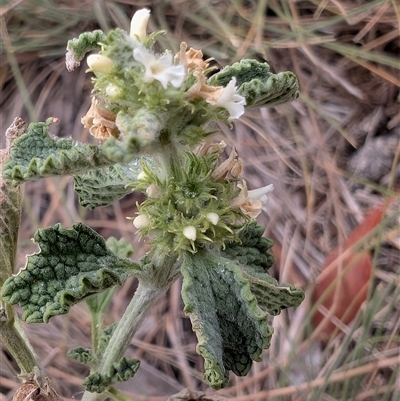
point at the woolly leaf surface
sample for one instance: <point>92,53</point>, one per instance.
<point>254,260</point>
<point>36,154</point>
<point>258,84</point>
<point>84,43</point>
<point>231,329</point>
<point>120,371</point>
<point>72,264</point>
<point>102,187</point>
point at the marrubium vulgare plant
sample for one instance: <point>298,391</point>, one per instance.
<point>153,116</point>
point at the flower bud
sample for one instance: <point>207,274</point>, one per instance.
<point>213,218</point>
<point>142,176</point>
<point>153,191</point>
<point>99,63</point>
<point>113,91</point>
<point>190,233</point>
<point>141,221</point>
<point>139,24</point>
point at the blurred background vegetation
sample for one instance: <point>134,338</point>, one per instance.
<point>332,155</point>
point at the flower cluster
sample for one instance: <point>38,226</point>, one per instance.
<point>200,201</point>
<point>161,105</point>
<point>129,76</point>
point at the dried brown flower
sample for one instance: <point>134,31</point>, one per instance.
<point>100,121</point>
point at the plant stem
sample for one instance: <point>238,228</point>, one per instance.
<point>145,296</point>
<point>15,341</point>
<point>97,326</point>
<point>117,395</point>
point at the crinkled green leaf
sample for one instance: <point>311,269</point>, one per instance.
<point>258,84</point>
<point>72,264</point>
<point>121,247</point>
<point>78,47</point>
<point>253,248</point>
<point>121,371</point>
<point>254,260</point>
<point>104,186</point>
<point>82,355</point>
<point>231,329</point>
<point>36,155</point>
<point>272,296</point>
<point>106,336</point>
<point>98,302</point>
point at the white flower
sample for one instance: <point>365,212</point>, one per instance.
<point>139,24</point>
<point>213,218</point>
<point>261,194</point>
<point>190,233</point>
<point>160,68</point>
<point>141,221</point>
<point>251,202</point>
<point>230,100</point>
<point>99,63</point>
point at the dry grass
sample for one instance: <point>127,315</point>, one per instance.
<point>331,155</point>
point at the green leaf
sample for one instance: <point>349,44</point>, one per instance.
<point>36,155</point>
<point>272,296</point>
<point>72,264</point>
<point>258,84</point>
<point>78,47</point>
<point>104,186</point>
<point>106,335</point>
<point>121,247</point>
<point>121,371</point>
<point>82,355</point>
<point>254,260</point>
<point>231,329</point>
<point>253,248</point>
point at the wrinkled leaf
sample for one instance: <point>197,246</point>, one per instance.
<point>84,43</point>
<point>83,356</point>
<point>258,84</point>
<point>121,247</point>
<point>36,155</point>
<point>254,260</point>
<point>120,371</point>
<point>102,187</point>
<point>72,264</point>
<point>253,248</point>
<point>231,329</point>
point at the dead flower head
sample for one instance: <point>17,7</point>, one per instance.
<point>100,121</point>
<point>191,59</point>
<point>251,203</point>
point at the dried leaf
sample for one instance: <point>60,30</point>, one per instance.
<point>31,391</point>
<point>349,274</point>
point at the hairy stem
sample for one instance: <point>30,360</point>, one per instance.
<point>146,295</point>
<point>15,341</point>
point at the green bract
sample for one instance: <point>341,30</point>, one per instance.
<point>183,197</point>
